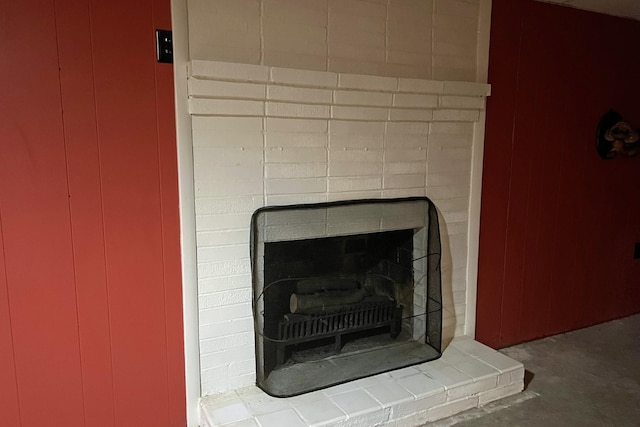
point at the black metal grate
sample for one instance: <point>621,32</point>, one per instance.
<point>298,328</point>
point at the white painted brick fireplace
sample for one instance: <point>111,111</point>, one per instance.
<point>276,136</point>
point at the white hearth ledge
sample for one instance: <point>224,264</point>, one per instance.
<point>468,375</point>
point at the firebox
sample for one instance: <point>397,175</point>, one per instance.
<point>344,290</point>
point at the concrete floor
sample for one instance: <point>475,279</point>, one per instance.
<point>589,377</point>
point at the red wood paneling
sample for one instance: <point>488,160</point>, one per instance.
<point>557,232</point>
<point>84,175</point>
<point>35,219</point>
<point>90,293</point>
<point>9,403</point>
<point>168,169</point>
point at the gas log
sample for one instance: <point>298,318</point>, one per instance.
<point>324,302</point>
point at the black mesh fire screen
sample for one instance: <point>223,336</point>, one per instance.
<point>344,290</point>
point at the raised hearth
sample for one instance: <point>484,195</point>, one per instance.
<point>468,375</point>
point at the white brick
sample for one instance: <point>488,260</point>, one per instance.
<point>223,222</point>
<point>294,186</point>
<point>296,125</point>
<point>355,156</point>
<point>226,283</point>
<point>418,407</point>
<point>223,357</point>
<point>229,71</point>
<point>215,380</point>
<point>404,181</point>
<point>294,232</point>
<point>212,345</point>
<point>241,368</point>
<point>295,170</point>
<point>222,188</point>
<point>304,77</point>
<point>218,89</point>
<point>225,298</point>
<point>342,141</point>
<point>499,393</point>
<point>415,100</point>
<point>451,141</point>
<point>452,101</point>
<point>221,171</point>
<point>354,184</point>
<point>410,128</point>
<point>396,155</point>
<point>355,169</point>
<point>222,237</point>
<point>359,113</point>
<point>438,193</point>
<point>411,115</point>
<point>226,327</point>
<point>225,107</point>
<point>450,408</point>
<point>205,157</point>
<point>445,179</point>
<point>219,314</point>
<point>369,37</point>
<point>451,128</point>
<point>228,205</point>
<point>222,253</point>
<point>466,88</point>
<point>227,124</point>
<point>213,138</point>
<point>405,141</point>
<point>297,94</point>
<point>456,115</point>
<point>457,8</point>
<point>499,361</point>
<point>296,57</point>
<point>420,86</point>
<point>355,195</point>
<point>464,64</point>
<point>404,168</point>
<point>225,268</point>
<point>361,81</point>
<point>352,97</point>
<point>454,204</point>
<point>284,109</point>
<point>447,48</point>
<point>296,155</point>
<point>294,37</point>
<point>358,8</point>
<point>356,128</point>
<point>356,66</point>
<point>293,199</point>
<point>449,161</point>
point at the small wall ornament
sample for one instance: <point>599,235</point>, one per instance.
<point>616,137</point>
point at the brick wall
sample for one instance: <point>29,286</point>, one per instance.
<point>272,136</point>
<point>430,39</point>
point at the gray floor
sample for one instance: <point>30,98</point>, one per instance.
<point>589,377</point>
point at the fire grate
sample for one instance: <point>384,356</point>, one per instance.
<point>300,328</point>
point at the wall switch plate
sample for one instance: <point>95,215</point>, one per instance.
<point>636,251</point>
<point>164,46</point>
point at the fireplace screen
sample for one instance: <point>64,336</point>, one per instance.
<point>344,290</point>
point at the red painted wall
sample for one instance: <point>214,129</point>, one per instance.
<point>558,224</point>
<point>90,292</point>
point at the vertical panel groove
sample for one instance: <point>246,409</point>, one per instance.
<point>9,326</point>
<point>73,250</point>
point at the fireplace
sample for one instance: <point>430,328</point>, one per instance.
<point>344,290</point>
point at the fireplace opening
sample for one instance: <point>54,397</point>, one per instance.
<point>344,290</point>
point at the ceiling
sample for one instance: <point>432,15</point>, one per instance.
<point>625,8</point>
